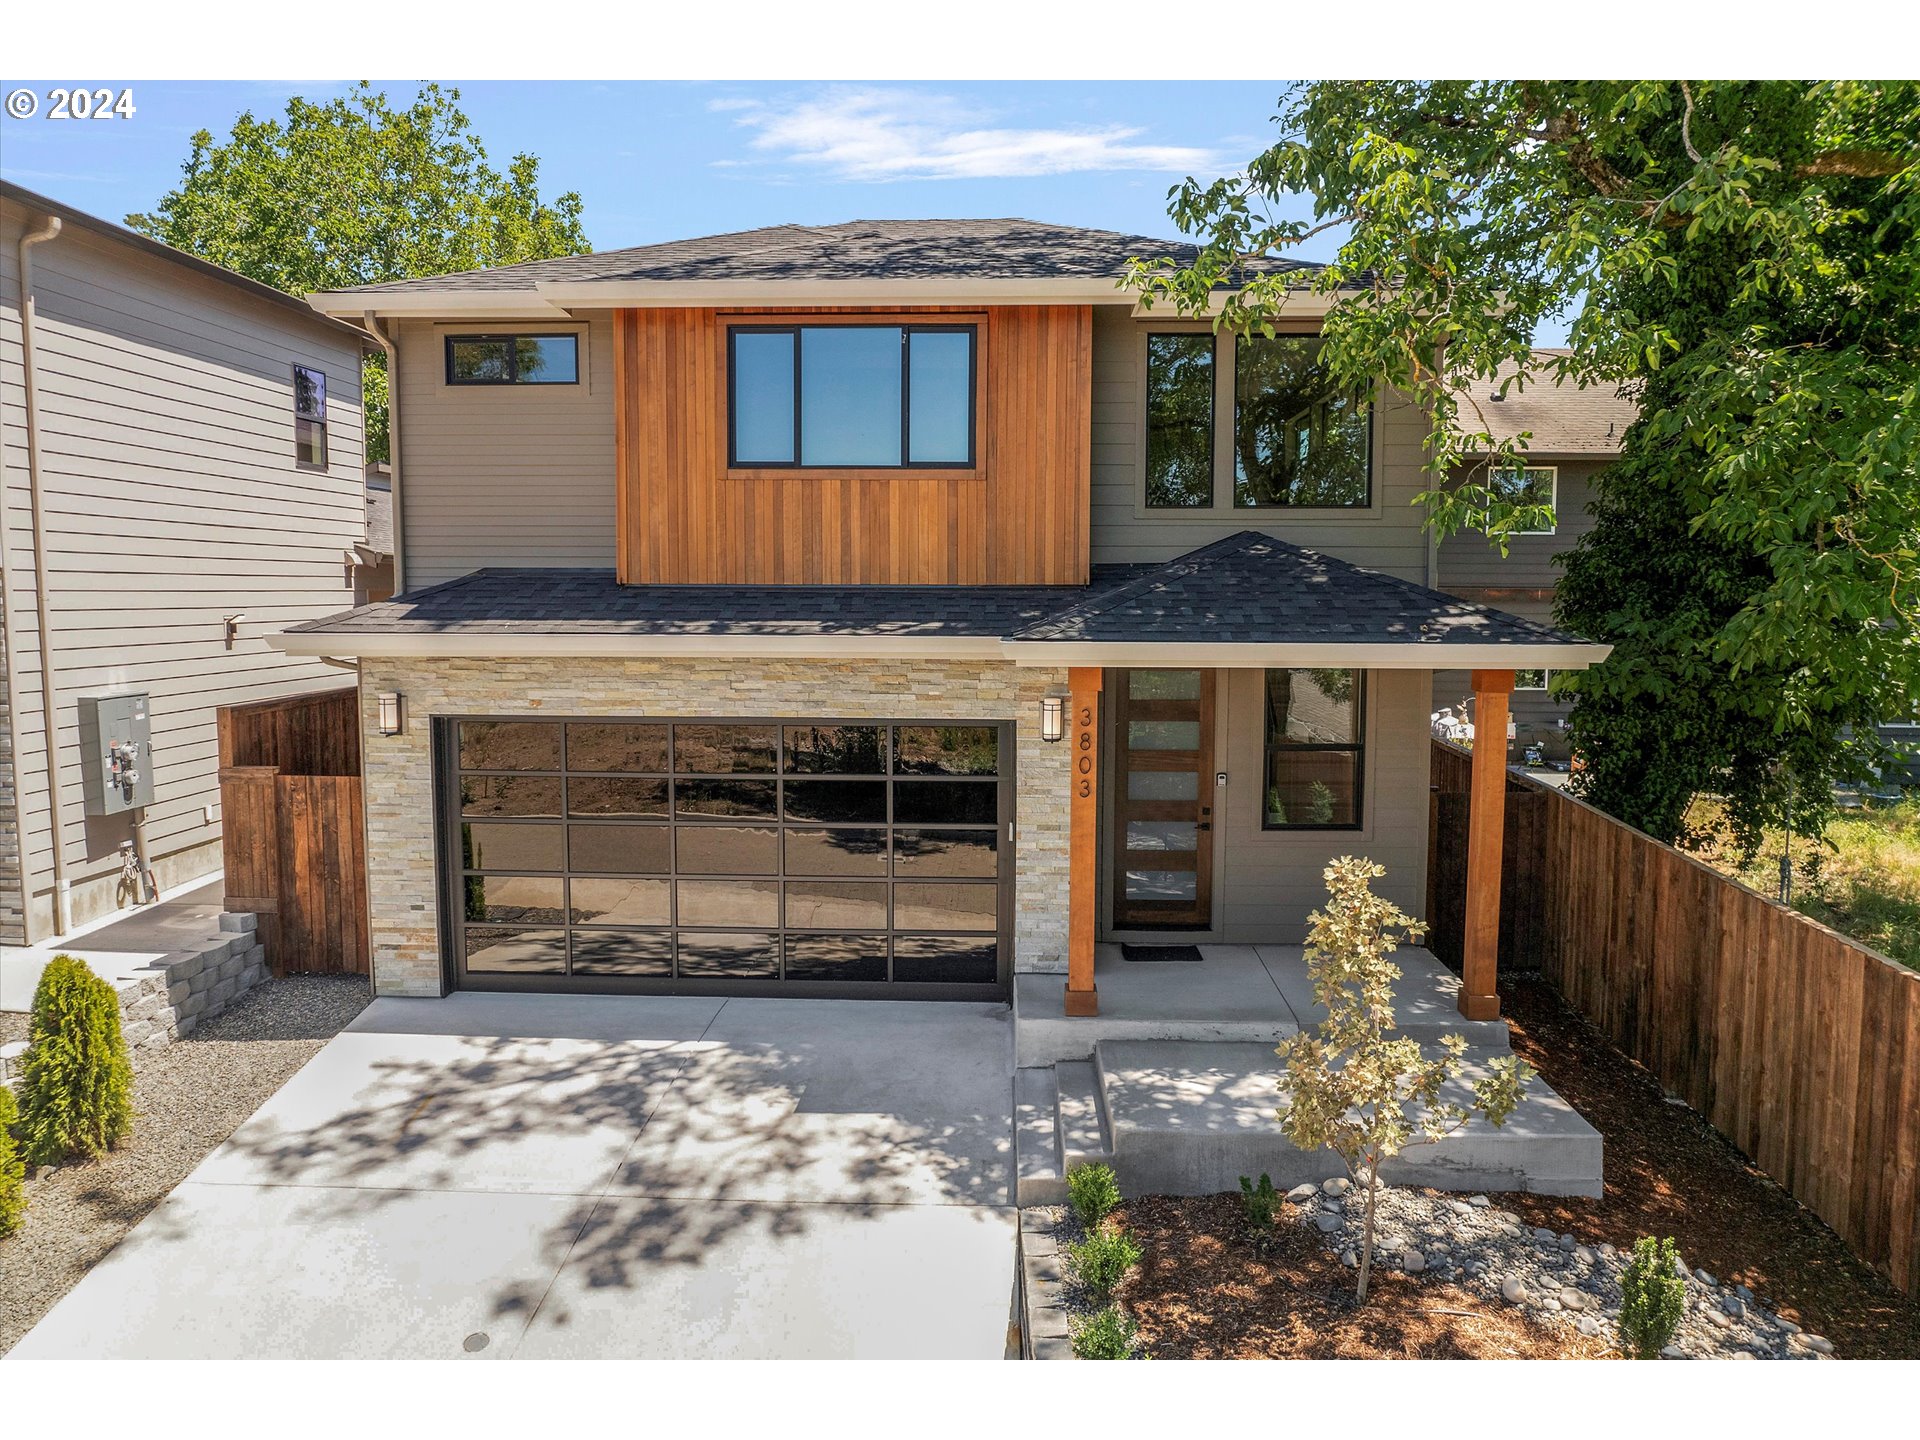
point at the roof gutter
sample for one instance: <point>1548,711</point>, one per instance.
<point>49,679</point>
<point>386,343</point>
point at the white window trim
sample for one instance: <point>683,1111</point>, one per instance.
<point>1223,510</point>
<point>1546,681</point>
<point>1552,473</point>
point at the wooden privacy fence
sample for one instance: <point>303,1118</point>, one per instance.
<point>1800,1045</point>
<point>292,836</point>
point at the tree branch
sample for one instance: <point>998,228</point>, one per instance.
<point>1855,164</point>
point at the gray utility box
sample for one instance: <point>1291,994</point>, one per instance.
<point>116,752</point>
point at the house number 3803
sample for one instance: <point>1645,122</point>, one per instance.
<point>1083,764</point>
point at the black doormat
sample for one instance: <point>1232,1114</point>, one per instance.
<point>1159,952</point>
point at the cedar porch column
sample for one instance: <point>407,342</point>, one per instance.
<point>1486,831</point>
<point>1083,734</point>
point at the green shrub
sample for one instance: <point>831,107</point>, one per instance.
<point>1108,1335</point>
<point>1653,1297</point>
<point>1102,1260</point>
<point>76,1096</point>
<point>1094,1194</point>
<point>13,1170</point>
<point>1259,1201</point>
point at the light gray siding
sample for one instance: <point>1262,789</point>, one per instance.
<point>503,474</point>
<point>1468,562</point>
<point>1385,536</point>
<point>171,501</point>
<point>1265,882</point>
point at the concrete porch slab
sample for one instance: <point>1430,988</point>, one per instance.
<point>1426,998</point>
<point>1228,995</point>
<point>1190,1118</point>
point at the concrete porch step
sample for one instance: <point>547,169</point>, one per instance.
<point>1080,1116</point>
<point>1039,1178</point>
<point>1191,1117</point>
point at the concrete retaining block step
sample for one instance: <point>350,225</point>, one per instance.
<point>1190,1118</point>
<point>1039,1177</point>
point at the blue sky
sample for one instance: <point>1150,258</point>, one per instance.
<point>664,160</point>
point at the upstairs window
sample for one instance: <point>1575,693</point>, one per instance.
<point>1315,728</point>
<point>513,359</point>
<point>309,418</point>
<point>1297,440</point>
<point>1180,421</point>
<point>1529,485</point>
<point>851,396</point>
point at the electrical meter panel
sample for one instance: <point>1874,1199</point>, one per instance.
<point>116,746</point>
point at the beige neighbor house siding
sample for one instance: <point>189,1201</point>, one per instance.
<point>498,475</point>
<point>1386,535</point>
<point>172,500</point>
<point>1520,582</point>
<point>403,894</point>
<point>1265,882</point>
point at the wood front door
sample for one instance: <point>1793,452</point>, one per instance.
<point>1162,799</point>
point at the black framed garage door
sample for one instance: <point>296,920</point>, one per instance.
<point>725,856</point>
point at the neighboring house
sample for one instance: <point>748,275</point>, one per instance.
<point>373,576</point>
<point>882,609</point>
<point>188,442</point>
<point>1573,433</point>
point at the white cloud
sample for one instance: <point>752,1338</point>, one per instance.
<point>889,134</point>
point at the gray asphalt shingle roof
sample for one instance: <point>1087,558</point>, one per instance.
<point>1562,419</point>
<point>856,250</point>
<point>1248,588</point>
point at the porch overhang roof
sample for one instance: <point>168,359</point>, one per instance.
<point>1246,601</point>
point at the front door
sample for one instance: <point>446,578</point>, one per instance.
<point>1163,799</point>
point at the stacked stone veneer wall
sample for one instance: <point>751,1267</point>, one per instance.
<point>193,984</point>
<point>403,900</point>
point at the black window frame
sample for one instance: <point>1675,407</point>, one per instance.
<point>1213,424</point>
<point>1367,408</point>
<point>907,331</point>
<point>1357,747</point>
<point>318,419</point>
<point>513,355</point>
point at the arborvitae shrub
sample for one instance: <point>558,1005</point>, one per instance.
<point>76,1096</point>
<point>1102,1260</point>
<point>13,1171</point>
<point>1653,1297</point>
<point>1259,1201</point>
<point>1094,1193</point>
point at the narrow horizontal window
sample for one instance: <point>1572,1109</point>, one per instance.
<point>884,397</point>
<point>1315,752</point>
<point>1297,440</point>
<point>309,418</point>
<point>1179,421</point>
<point>513,359</point>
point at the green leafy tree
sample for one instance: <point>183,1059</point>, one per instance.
<point>1349,1084</point>
<point>354,191</point>
<point>76,1091</point>
<point>1740,259</point>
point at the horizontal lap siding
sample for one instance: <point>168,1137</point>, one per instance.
<point>1021,519</point>
<point>1466,559</point>
<point>171,500</point>
<point>1801,1046</point>
<point>504,474</point>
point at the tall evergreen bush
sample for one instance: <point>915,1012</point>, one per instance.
<point>76,1096</point>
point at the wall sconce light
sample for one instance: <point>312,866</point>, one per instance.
<point>231,623</point>
<point>390,714</point>
<point>1053,718</point>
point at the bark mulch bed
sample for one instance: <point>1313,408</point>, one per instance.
<point>1668,1172</point>
<point>1207,1289</point>
<point>187,1099</point>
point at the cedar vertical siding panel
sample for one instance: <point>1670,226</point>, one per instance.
<point>1799,1045</point>
<point>1018,518</point>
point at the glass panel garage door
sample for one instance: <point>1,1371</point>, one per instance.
<point>694,856</point>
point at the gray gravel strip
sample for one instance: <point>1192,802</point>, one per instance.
<point>188,1098</point>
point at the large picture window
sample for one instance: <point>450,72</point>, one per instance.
<point>1180,373</point>
<point>851,396</point>
<point>1297,441</point>
<point>1316,749</point>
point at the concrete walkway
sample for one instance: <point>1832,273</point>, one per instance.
<point>603,1177</point>
<point>119,948</point>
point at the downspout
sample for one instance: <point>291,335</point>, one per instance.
<point>372,323</point>
<point>62,910</point>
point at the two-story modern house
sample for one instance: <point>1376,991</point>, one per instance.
<point>885,609</point>
<point>180,478</point>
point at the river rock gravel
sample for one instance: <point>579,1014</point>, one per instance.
<point>1471,1242</point>
<point>187,1099</point>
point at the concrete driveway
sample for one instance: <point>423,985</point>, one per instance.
<point>598,1177</point>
